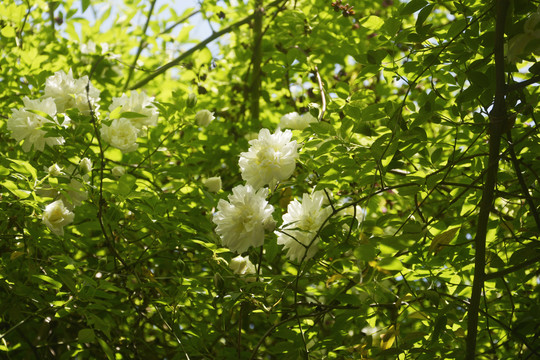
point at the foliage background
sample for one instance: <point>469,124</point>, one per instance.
<point>404,93</point>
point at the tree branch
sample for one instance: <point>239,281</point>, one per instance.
<point>498,119</point>
<point>256,61</point>
<point>197,47</point>
<point>141,45</point>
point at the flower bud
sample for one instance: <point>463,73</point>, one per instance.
<point>55,170</point>
<point>213,184</point>
<point>85,166</point>
<point>204,117</point>
<point>192,100</point>
<point>118,171</point>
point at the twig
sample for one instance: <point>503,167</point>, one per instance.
<point>256,62</point>
<point>141,45</point>
<point>108,241</point>
<point>321,89</point>
<point>521,180</point>
<point>519,85</point>
<point>498,120</point>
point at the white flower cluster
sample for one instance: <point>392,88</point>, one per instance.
<point>137,113</point>
<point>62,92</point>
<point>28,124</point>
<point>242,221</point>
<point>38,118</point>
<point>68,92</point>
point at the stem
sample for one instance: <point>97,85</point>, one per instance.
<point>498,119</point>
<point>141,45</point>
<point>256,61</point>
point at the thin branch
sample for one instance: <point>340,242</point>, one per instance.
<point>521,180</point>
<point>321,89</point>
<point>498,120</point>
<point>195,48</point>
<point>522,84</point>
<point>501,273</point>
<point>141,45</point>
<point>108,241</point>
<point>256,62</point>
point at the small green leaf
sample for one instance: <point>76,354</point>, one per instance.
<point>86,336</point>
<point>371,22</point>
<point>8,31</point>
<point>56,284</point>
<point>390,263</point>
<point>413,6</point>
<point>443,239</point>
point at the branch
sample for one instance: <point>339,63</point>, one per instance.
<point>511,269</point>
<point>256,61</point>
<point>321,89</point>
<point>141,45</point>
<point>521,180</point>
<point>498,120</point>
<point>197,47</point>
<point>519,85</point>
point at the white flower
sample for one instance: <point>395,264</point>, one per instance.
<point>295,121</point>
<point>242,220</point>
<point>54,170</point>
<point>271,158</point>
<point>88,48</point>
<point>85,166</point>
<point>26,124</point>
<point>242,265</point>
<point>300,225</point>
<point>121,134</point>
<point>213,184</point>
<point>56,216</point>
<point>118,171</point>
<point>68,92</point>
<point>204,117</point>
<point>138,103</point>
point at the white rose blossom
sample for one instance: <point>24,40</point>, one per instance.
<point>271,158</point>
<point>242,221</point>
<point>56,216</point>
<point>204,117</point>
<point>26,124</point>
<point>68,92</point>
<point>300,225</point>
<point>241,265</point>
<point>295,121</point>
<point>121,134</point>
<point>139,103</point>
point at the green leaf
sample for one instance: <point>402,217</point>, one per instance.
<point>371,22</point>
<point>7,31</point>
<point>443,239</point>
<point>86,336</point>
<point>413,6</point>
<point>106,349</point>
<point>56,284</point>
<point>390,263</point>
